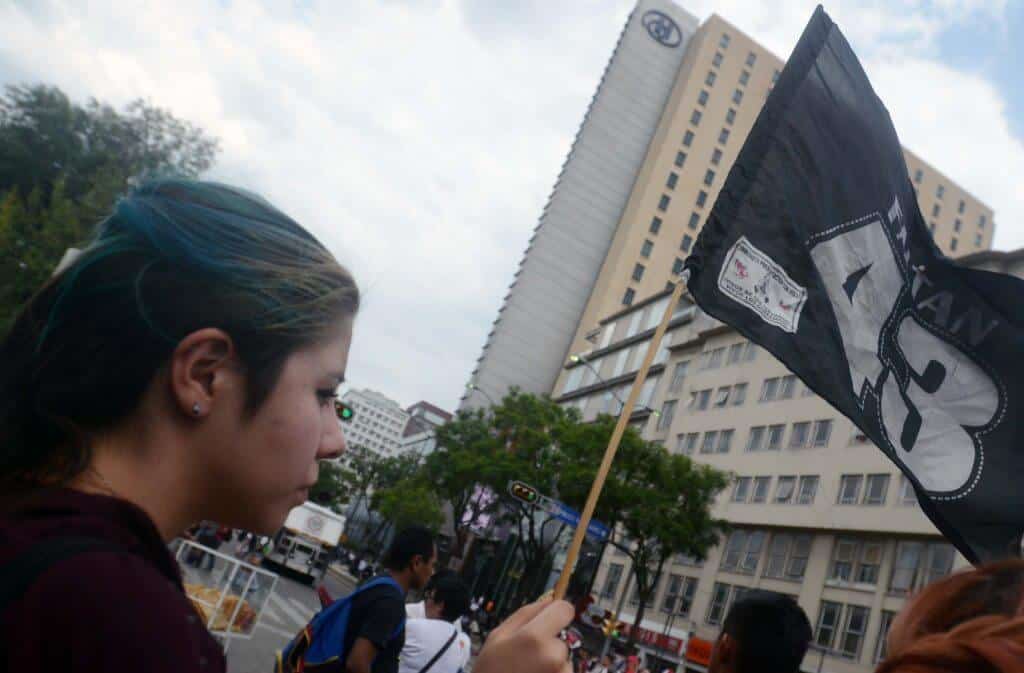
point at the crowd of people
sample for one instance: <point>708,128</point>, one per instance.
<point>183,367</point>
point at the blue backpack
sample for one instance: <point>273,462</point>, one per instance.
<point>322,642</point>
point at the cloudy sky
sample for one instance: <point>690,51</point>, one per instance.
<point>419,139</point>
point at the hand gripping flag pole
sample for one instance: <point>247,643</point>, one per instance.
<point>613,443</point>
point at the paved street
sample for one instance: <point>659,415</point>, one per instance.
<point>289,609</point>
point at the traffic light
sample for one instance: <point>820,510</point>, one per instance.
<point>524,492</point>
<point>345,412</point>
<point>611,627</point>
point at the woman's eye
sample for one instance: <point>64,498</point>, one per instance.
<point>326,397</point>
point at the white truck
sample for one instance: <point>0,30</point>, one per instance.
<point>307,542</point>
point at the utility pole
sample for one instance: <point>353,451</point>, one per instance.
<point>618,611</point>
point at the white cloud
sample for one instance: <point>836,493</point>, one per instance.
<point>420,139</point>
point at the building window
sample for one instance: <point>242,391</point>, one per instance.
<point>717,59</point>
<point>801,433</point>
<point>680,159</point>
<point>756,439</point>
<point>703,398</point>
<point>787,386</point>
<point>719,599</point>
<point>883,634</point>
<point>723,137</point>
<point>686,597</point>
<point>687,443</point>
<point>957,224</point>
<point>741,489</point>
<point>953,243</point>
<point>687,242</point>
<point>961,206</point>
<point>710,79</point>
<point>627,298</point>
<point>673,179</point>
<point>853,631</point>
<point>677,267</point>
<point>905,568</point>
<point>855,561</point>
<point>735,352</point>
<point>655,225</point>
<point>695,118</point>
<point>981,221</point>
<point>734,550</point>
<point>668,411</point>
<point>638,272</point>
<point>760,492</point>
<point>724,42</point>
<point>936,210</point>
<point>849,489</point>
<point>752,553</point>
<point>775,77</point>
<point>722,397</point>
<point>784,490</point>
<point>725,441</point>
<point>709,177</point>
<point>739,394</point>
<point>769,389</point>
<point>787,556</point>
<point>645,249</point>
<point>918,175</point>
<point>744,77</point>
<point>806,490</point>
<point>939,191</point>
<point>678,376</point>
<point>931,228</point>
<point>716,157</point>
<point>634,599</point>
<point>751,353</point>
<point>611,580</point>
<point>737,96</point>
<point>663,202</point>
<point>822,432</point>
<point>775,434</point>
<point>694,221</point>
<point>751,57</point>
<point>876,488</point>
<point>907,494</point>
<point>702,97</point>
<point>702,198</point>
<point>710,439</point>
<point>730,116</point>
<point>977,240</point>
<point>828,624</point>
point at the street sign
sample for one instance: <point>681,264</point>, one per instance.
<point>563,512</point>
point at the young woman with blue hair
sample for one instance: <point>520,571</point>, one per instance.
<point>182,368</point>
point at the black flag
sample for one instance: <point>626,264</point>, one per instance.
<point>816,250</point>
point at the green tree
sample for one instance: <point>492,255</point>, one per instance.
<point>663,504</point>
<point>333,486</point>
<point>409,502</point>
<point>62,167</point>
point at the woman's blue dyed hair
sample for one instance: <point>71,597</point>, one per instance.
<point>174,256</point>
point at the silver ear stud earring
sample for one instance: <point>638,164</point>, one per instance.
<point>195,409</point>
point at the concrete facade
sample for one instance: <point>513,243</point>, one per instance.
<point>378,422</point>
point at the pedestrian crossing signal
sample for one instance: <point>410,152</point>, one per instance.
<point>611,627</point>
<point>523,492</point>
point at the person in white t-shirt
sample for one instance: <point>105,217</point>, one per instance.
<point>433,629</point>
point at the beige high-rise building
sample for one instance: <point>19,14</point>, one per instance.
<point>817,511</point>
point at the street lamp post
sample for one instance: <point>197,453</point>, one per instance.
<point>473,386</point>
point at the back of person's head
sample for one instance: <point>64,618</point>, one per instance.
<point>970,621</point>
<point>409,543</point>
<point>767,632</point>
<point>453,593</point>
<point>174,257</point>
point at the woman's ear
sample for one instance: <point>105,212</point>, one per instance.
<point>203,367</point>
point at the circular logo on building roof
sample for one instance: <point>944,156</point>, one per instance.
<point>662,28</point>
<point>315,523</point>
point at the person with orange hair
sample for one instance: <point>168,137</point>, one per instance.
<point>969,622</point>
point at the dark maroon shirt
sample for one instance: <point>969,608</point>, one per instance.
<point>100,611</point>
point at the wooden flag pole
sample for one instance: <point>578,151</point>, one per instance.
<point>613,444</point>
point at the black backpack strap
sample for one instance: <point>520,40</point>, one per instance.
<point>18,574</point>
<point>440,652</point>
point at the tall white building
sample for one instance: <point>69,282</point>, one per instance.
<point>378,421</point>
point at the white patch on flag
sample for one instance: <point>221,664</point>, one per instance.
<point>753,279</point>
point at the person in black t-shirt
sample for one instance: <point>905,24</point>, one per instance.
<point>371,641</point>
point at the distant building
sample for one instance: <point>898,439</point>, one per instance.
<point>424,419</point>
<point>378,422</point>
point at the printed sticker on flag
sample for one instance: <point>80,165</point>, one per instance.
<point>751,277</point>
